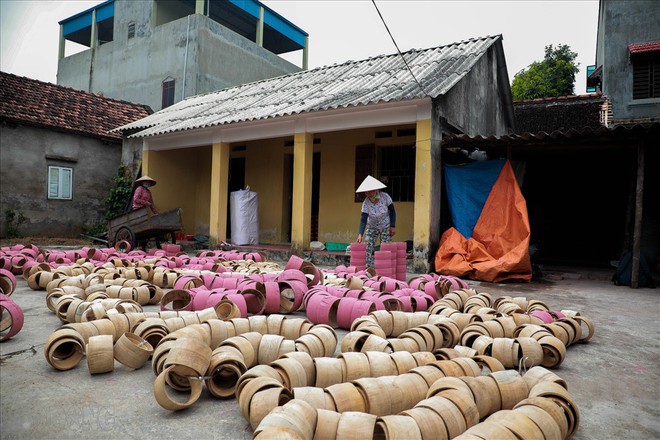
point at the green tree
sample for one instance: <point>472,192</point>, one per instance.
<point>13,222</point>
<point>117,200</point>
<point>553,76</point>
<point>115,203</point>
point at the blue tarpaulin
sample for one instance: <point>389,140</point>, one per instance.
<point>490,237</point>
<point>468,187</point>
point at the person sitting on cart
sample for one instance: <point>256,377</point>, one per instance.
<point>142,196</point>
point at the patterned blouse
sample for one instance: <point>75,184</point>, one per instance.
<point>142,197</point>
<point>379,216</point>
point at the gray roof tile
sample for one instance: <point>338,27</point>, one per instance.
<point>379,79</point>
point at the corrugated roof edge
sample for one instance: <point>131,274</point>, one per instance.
<point>147,124</point>
<point>542,136</point>
<point>81,13</point>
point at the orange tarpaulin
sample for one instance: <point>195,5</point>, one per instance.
<point>499,247</point>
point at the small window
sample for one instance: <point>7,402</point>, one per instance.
<point>403,132</point>
<point>168,93</point>
<point>131,30</point>
<point>397,171</point>
<point>592,80</point>
<point>60,183</point>
<point>394,166</point>
<point>646,78</point>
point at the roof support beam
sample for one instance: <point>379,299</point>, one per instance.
<point>199,7</point>
<point>62,43</point>
<point>260,28</point>
<point>94,40</point>
<point>639,203</point>
<point>376,115</point>
<point>301,212</point>
<point>305,60</point>
<point>219,193</point>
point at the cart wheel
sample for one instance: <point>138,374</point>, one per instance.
<point>125,234</point>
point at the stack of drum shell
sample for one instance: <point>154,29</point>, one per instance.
<point>358,255</point>
<point>398,255</point>
<point>385,261</point>
<point>401,258</point>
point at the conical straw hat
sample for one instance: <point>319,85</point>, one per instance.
<point>370,184</point>
<point>146,179</point>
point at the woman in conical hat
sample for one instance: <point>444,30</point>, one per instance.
<point>142,196</point>
<point>378,217</point>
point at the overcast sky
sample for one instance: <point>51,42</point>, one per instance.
<point>347,30</point>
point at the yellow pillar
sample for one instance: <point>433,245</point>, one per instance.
<point>145,162</point>
<point>144,167</point>
<point>301,212</point>
<point>219,193</point>
<point>426,223</point>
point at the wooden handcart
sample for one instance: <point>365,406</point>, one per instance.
<point>138,227</point>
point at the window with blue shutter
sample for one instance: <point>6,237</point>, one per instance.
<point>60,183</point>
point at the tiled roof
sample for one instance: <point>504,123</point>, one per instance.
<point>649,46</point>
<point>379,79</point>
<point>561,113</point>
<point>651,129</point>
<point>32,102</point>
<point>559,99</point>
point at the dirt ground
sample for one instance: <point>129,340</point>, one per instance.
<point>46,241</point>
<point>614,379</point>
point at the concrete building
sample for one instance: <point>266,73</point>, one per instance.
<point>627,68</point>
<point>305,141</point>
<point>158,52</point>
<point>56,154</point>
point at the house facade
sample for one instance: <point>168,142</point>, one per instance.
<point>159,52</point>
<point>305,141</point>
<point>57,158</point>
<point>628,59</point>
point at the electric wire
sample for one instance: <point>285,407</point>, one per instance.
<point>397,48</point>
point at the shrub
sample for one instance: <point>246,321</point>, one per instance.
<point>14,220</point>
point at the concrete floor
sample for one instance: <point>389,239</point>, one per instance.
<point>615,378</point>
